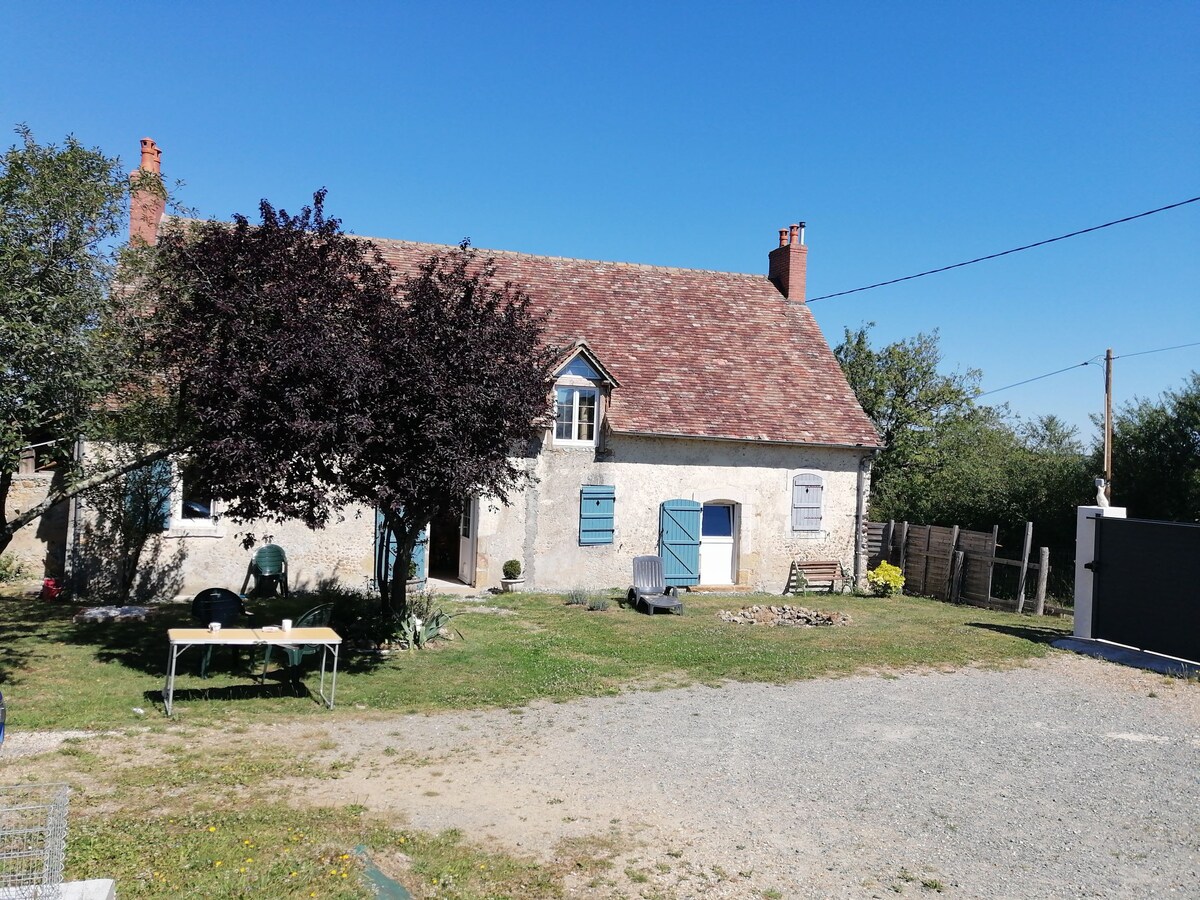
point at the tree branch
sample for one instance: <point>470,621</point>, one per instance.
<point>79,487</point>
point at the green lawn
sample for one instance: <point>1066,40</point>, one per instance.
<point>194,808</point>
<point>57,674</point>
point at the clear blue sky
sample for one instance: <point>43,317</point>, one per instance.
<point>908,136</point>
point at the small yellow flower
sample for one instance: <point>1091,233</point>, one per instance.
<point>344,856</point>
<point>217,863</point>
<point>246,842</point>
<point>249,859</point>
<point>293,875</point>
<point>212,827</point>
<point>242,869</point>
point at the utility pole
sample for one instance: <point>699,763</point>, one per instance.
<point>1108,423</point>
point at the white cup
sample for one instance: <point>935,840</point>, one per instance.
<point>214,627</point>
<point>286,624</point>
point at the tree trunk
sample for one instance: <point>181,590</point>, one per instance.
<point>393,585</point>
<point>6,535</point>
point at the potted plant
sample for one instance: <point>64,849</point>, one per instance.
<point>513,579</point>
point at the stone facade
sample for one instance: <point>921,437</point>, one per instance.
<point>40,546</point>
<point>541,528</point>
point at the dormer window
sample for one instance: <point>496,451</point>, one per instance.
<point>575,418</point>
<point>579,393</point>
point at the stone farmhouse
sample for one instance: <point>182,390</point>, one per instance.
<point>699,415</point>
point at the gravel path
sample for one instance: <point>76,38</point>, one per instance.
<point>1070,778</point>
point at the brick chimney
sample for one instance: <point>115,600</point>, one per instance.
<point>147,198</point>
<point>789,263</point>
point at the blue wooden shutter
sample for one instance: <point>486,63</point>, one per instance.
<point>679,541</point>
<point>420,554</point>
<point>148,495</point>
<point>385,551</point>
<point>807,491</point>
<point>596,502</point>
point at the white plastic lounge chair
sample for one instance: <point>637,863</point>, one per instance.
<point>650,591</point>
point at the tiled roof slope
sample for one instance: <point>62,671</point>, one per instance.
<point>697,354</point>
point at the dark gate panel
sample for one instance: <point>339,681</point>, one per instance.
<point>1145,594</point>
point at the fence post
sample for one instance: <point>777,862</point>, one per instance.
<point>1024,566</point>
<point>950,562</point>
<point>903,544</point>
<point>992,555</point>
<point>956,575</point>
<point>885,546</point>
<point>1043,574</point>
<point>925,571</point>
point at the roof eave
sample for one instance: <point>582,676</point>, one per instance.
<point>864,447</point>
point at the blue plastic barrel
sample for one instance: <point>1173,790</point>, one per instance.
<point>1,717</point>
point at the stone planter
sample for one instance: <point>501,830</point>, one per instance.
<point>510,585</point>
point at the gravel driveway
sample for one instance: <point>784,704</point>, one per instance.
<point>1070,778</point>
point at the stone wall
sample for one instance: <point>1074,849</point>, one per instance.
<point>40,546</point>
<point>541,528</point>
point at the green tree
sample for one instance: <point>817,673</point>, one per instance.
<point>949,461</point>
<point>902,390</point>
<point>62,345</point>
<point>1156,455</point>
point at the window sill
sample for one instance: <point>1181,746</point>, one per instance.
<point>810,535</point>
<point>194,531</point>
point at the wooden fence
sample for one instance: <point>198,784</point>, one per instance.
<point>951,563</point>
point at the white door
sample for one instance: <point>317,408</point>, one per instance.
<point>716,543</point>
<point>467,542</point>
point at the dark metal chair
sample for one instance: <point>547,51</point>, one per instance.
<point>650,591</point>
<point>218,605</point>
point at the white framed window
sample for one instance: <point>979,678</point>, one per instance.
<point>808,504</point>
<point>193,509</point>
<point>575,415</point>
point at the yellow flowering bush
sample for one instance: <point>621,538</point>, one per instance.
<point>885,580</point>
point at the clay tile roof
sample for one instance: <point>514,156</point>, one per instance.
<point>696,353</point>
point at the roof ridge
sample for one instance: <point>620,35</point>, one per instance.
<point>486,251</point>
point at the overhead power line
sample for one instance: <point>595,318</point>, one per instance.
<point>969,262</point>
<point>1086,362</point>
<point>1159,350</point>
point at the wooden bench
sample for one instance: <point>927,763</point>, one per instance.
<point>816,572</point>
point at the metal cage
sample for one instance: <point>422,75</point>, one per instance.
<point>33,840</point>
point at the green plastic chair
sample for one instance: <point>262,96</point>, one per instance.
<point>316,617</point>
<point>269,567</point>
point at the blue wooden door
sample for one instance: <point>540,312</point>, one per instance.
<point>679,541</point>
<point>385,550</point>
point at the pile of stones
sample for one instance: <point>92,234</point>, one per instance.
<point>797,616</point>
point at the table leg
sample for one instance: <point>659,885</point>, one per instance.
<point>169,686</point>
<point>325,649</point>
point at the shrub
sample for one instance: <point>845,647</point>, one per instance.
<point>512,569</point>
<point>10,569</point>
<point>885,580</point>
<point>597,604</point>
<point>576,597</point>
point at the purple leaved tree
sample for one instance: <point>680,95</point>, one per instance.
<point>310,377</point>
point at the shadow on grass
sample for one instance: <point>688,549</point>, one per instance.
<point>256,691</point>
<point>1031,633</point>
<point>23,625</point>
<point>142,646</point>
